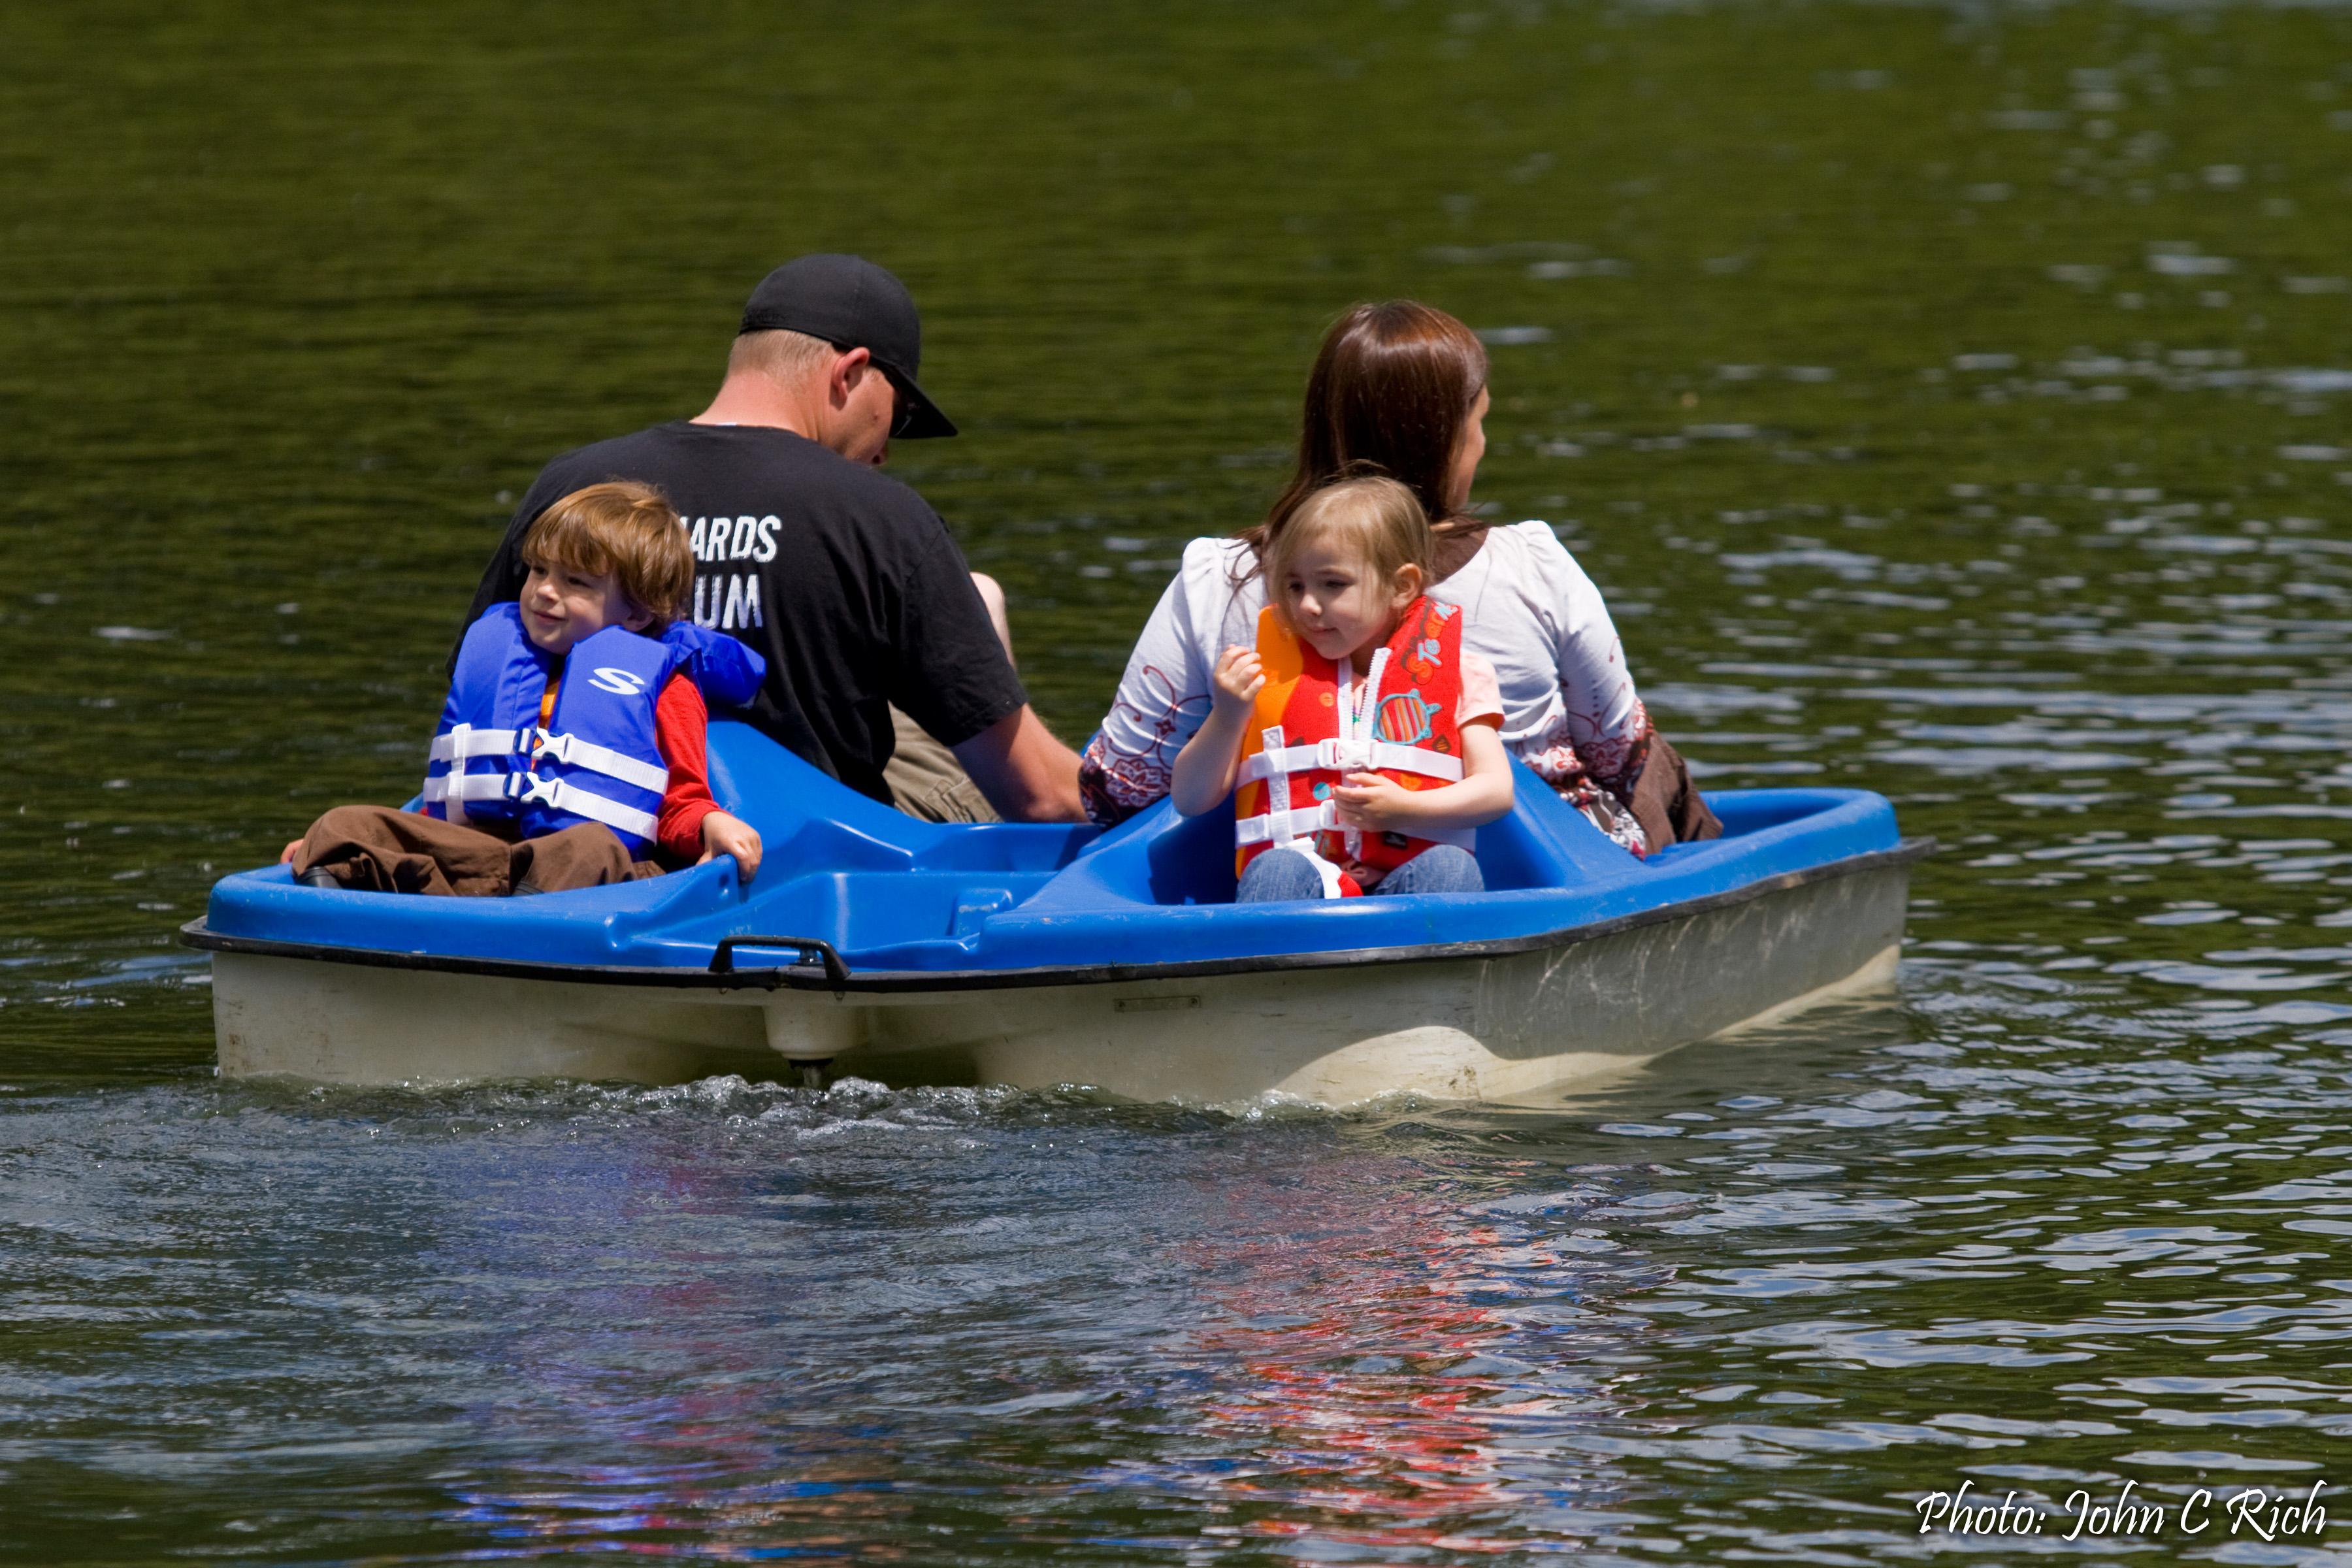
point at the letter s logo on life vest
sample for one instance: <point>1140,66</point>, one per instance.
<point>619,682</point>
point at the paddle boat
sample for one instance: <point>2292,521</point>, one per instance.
<point>876,945</point>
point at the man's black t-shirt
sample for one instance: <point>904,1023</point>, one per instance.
<point>845,579</point>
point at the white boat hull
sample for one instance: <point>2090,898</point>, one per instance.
<point>1496,1027</point>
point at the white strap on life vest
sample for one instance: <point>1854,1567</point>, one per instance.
<point>577,802</point>
<point>1284,825</point>
<point>464,740</point>
<point>1358,756</point>
<point>603,760</point>
<point>468,786</point>
<point>1323,869</point>
<point>463,743</point>
<point>1358,708</point>
<point>453,789</point>
<point>1277,791</point>
<point>1322,817</point>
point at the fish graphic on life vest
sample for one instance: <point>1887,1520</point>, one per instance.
<point>1315,724</point>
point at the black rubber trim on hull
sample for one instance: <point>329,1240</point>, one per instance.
<point>871,980</point>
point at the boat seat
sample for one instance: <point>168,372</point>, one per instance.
<point>1161,858</point>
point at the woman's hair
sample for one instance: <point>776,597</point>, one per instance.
<point>623,528</point>
<point>1377,519</point>
<point>1391,389</point>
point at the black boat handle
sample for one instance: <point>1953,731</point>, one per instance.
<point>722,960</point>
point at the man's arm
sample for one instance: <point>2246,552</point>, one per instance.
<point>1027,774</point>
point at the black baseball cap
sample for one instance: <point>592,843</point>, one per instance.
<point>852,304</point>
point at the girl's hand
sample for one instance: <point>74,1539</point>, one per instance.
<point>725,834</point>
<point>286,855</point>
<point>1240,677</point>
<point>1203,774</point>
<point>1372,803</point>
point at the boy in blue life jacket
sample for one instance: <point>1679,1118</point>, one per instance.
<point>571,751</point>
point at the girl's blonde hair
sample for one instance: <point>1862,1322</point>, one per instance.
<point>623,528</point>
<point>1378,521</point>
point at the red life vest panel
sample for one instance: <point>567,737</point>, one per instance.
<point>1316,722</point>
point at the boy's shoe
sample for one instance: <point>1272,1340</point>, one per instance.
<point>319,877</point>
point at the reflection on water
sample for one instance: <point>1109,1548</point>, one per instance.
<point>1950,401</point>
<point>1759,1297</point>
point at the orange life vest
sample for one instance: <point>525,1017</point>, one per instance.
<point>1316,722</point>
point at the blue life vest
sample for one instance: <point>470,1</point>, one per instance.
<point>596,761</point>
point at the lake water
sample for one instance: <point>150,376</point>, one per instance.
<point>1951,401</point>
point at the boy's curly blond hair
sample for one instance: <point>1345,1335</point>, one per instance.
<point>625,528</point>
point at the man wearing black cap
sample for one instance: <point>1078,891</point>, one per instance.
<point>846,580</point>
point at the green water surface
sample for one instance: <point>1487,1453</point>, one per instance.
<point>1950,402</point>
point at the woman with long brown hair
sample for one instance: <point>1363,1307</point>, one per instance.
<point>1400,388</point>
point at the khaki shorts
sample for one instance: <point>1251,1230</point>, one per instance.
<point>926,781</point>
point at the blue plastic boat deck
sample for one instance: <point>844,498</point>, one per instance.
<point>895,896</point>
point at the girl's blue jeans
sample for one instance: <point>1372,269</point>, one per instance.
<point>1281,874</point>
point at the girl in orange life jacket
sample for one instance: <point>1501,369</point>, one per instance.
<point>1366,743</point>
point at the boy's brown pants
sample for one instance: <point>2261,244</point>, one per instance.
<point>376,849</point>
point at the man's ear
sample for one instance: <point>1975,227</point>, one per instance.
<point>848,371</point>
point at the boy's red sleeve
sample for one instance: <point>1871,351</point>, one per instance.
<point>681,728</point>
